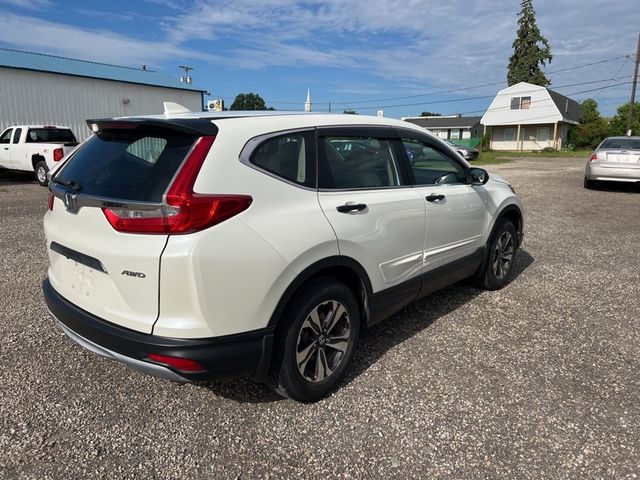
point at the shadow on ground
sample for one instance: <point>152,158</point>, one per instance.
<point>10,177</point>
<point>624,187</point>
<point>376,341</point>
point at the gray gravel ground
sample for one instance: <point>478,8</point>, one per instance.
<point>539,380</point>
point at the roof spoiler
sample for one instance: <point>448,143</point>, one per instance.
<point>189,126</point>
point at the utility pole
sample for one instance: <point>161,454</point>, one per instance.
<point>186,78</point>
<point>633,88</point>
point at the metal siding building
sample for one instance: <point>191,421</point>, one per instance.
<point>38,89</point>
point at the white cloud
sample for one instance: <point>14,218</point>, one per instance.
<point>95,45</point>
<point>419,45</point>
<point>28,4</point>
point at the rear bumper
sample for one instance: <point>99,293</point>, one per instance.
<point>241,355</point>
<point>595,171</point>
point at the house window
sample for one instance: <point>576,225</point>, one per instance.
<point>520,103</point>
<point>542,134</point>
<point>455,134</point>
<point>509,134</point>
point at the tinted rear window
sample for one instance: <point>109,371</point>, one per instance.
<point>622,143</point>
<point>50,135</point>
<point>132,165</point>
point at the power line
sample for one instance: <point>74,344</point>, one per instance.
<point>355,103</point>
<point>495,109</point>
<point>453,100</point>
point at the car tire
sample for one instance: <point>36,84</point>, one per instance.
<point>41,173</point>
<point>501,251</point>
<point>589,184</point>
<point>315,341</point>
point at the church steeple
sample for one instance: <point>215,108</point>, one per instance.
<point>307,104</point>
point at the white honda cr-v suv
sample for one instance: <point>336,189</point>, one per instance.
<point>194,245</point>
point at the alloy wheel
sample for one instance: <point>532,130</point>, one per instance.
<point>323,340</point>
<point>503,255</point>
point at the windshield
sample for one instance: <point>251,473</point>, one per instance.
<point>50,135</point>
<point>134,165</point>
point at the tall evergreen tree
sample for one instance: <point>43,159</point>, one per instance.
<point>530,50</point>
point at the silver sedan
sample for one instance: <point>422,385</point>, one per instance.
<point>616,159</point>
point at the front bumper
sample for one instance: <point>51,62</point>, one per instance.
<point>595,171</point>
<point>241,355</point>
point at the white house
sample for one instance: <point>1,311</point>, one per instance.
<point>529,117</point>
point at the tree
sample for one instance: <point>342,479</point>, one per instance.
<point>248,101</point>
<point>592,128</point>
<point>350,112</point>
<point>430,114</point>
<point>618,124</point>
<point>530,50</point>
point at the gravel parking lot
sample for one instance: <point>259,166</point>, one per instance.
<point>538,380</point>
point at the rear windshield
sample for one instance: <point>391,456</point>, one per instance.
<point>622,143</point>
<point>50,135</point>
<point>134,165</point>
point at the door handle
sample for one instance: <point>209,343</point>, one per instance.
<point>435,198</point>
<point>6,148</point>
<point>351,206</point>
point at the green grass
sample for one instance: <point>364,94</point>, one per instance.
<point>496,158</point>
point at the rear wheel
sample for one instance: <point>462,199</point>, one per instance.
<point>502,250</point>
<point>41,173</point>
<point>316,342</point>
<point>590,184</point>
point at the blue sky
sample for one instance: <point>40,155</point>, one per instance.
<point>400,56</point>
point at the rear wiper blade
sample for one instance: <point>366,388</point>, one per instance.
<point>72,184</point>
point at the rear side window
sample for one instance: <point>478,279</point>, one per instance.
<point>290,156</point>
<point>50,135</point>
<point>357,162</point>
<point>135,165</point>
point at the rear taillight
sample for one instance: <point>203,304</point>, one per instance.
<point>178,363</point>
<point>182,211</point>
<point>58,153</point>
<point>51,199</point>
<point>594,157</point>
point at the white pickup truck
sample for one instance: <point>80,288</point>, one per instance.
<point>35,148</point>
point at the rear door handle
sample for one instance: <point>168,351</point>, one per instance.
<point>435,198</point>
<point>348,207</point>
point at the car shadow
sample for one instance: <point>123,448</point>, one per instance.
<point>10,177</point>
<point>380,338</point>
<point>624,187</point>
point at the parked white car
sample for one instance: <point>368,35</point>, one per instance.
<point>256,244</point>
<point>35,148</point>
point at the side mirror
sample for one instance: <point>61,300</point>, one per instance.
<point>479,176</point>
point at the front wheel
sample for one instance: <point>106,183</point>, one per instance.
<point>41,173</point>
<point>502,250</point>
<point>316,341</point>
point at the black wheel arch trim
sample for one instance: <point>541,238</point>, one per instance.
<point>312,271</point>
<point>519,230</point>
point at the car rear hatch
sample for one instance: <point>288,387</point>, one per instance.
<point>620,158</point>
<point>618,152</point>
<point>111,211</point>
